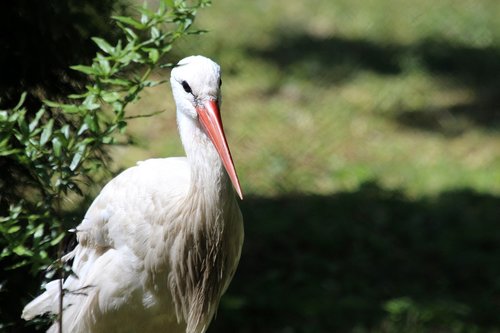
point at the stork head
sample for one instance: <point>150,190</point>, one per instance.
<point>196,83</point>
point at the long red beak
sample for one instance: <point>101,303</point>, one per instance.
<point>209,116</point>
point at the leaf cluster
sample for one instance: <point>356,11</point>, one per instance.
<point>51,153</point>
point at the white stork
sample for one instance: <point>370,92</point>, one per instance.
<point>159,245</point>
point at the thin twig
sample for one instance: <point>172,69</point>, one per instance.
<point>61,264</point>
<point>146,115</point>
<point>61,296</point>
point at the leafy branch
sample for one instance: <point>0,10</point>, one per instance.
<point>62,144</point>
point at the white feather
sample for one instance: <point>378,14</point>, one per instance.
<point>159,245</point>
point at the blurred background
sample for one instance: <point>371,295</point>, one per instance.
<point>366,135</point>
<point>367,138</point>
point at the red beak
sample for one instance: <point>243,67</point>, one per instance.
<point>209,116</point>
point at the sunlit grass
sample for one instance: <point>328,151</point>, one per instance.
<point>366,137</point>
<point>317,127</point>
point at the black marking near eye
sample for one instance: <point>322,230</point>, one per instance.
<point>186,87</point>
<point>220,82</point>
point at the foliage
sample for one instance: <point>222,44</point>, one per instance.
<point>50,155</point>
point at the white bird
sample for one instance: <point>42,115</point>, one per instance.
<point>161,242</point>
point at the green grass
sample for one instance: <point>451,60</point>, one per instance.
<point>321,97</point>
<point>367,138</point>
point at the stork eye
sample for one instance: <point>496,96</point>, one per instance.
<point>220,83</point>
<point>186,87</point>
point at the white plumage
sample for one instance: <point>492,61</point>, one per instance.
<point>159,245</point>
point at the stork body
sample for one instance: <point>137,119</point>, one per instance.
<point>159,245</point>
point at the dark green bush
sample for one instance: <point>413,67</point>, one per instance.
<point>49,154</point>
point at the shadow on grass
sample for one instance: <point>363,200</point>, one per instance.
<point>333,60</point>
<point>475,68</point>
<point>367,260</point>
<point>329,60</point>
<point>454,120</point>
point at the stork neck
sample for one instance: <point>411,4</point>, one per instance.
<point>208,176</point>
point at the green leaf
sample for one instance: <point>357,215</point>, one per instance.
<point>43,254</point>
<point>129,21</point>
<point>130,56</point>
<point>4,116</point>
<point>169,3</point>
<point>38,231</point>
<point>5,253</point>
<point>57,146</point>
<point>90,103</point>
<point>20,250</point>
<point>166,49</point>
<point>85,69</point>
<point>162,8</point>
<point>122,125</point>
<point>77,96</point>
<point>154,55</point>
<point>56,240</point>
<point>118,107</point>
<point>7,152</point>
<point>110,97</point>
<point>104,65</point>
<point>144,19</point>
<point>70,108</point>
<point>108,140</point>
<point>103,45</point>
<point>65,131</point>
<point>167,65</point>
<point>47,132</point>
<point>77,158</point>
<point>118,82</point>
<point>21,101</point>
<point>34,122</point>
<point>155,33</point>
<point>67,108</point>
<point>52,104</point>
<point>23,126</point>
<point>82,129</point>
<point>14,229</point>
<point>131,35</point>
<point>91,122</point>
<point>19,264</point>
<point>146,14</point>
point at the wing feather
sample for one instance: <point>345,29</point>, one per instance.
<point>108,266</point>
